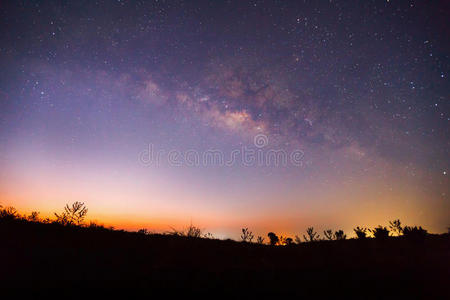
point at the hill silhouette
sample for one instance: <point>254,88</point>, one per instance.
<point>44,253</point>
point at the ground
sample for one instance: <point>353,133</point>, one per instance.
<point>54,256</point>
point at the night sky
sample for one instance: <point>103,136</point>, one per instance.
<point>357,90</point>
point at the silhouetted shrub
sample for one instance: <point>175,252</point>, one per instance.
<point>33,217</point>
<point>328,234</point>
<point>191,231</point>
<point>94,225</point>
<point>380,232</point>
<point>72,215</point>
<point>9,213</point>
<point>46,221</point>
<point>312,235</point>
<point>396,227</point>
<point>62,219</point>
<point>143,231</point>
<point>339,235</point>
<point>297,239</point>
<point>260,240</point>
<point>273,238</point>
<point>414,232</point>
<point>208,235</point>
<point>285,241</point>
<point>361,233</point>
<point>246,236</point>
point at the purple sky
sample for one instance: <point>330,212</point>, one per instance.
<point>345,102</point>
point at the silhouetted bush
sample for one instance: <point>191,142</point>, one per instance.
<point>260,240</point>
<point>191,231</point>
<point>8,213</point>
<point>312,235</point>
<point>46,221</point>
<point>33,217</point>
<point>339,235</point>
<point>273,238</point>
<point>208,235</point>
<point>285,241</point>
<point>328,234</point>
<point>72,215</point>
<point>414,232</point>
<point>396,227</point>
<point>361,233</point>
<point>94,225</point>
<point>380,232</point>
<point>246,236</point>
<point>143,231</point>
<point>297,239</point>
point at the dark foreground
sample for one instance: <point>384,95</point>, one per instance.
<point>53,256</point>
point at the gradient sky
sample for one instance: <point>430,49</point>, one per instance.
<point>358,88</point>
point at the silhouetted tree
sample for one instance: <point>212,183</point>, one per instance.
<point>289,241</point>
<point>339,235</point>
<point>414,232</point>
<point>260,240</point>
<point>246,236</point>
<point>361,233</point>
<point>273,238</point>
<point>72,215</point>
<point>312,235</point>
<point>380,232</point>
<point>328,234</point>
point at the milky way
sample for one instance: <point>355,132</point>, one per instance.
<point>360,88</point>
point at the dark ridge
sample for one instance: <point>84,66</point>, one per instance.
<point>51,255</point>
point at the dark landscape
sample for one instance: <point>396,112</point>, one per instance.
<point>48,254</point>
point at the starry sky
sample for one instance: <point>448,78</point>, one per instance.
<point>358,90</point>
